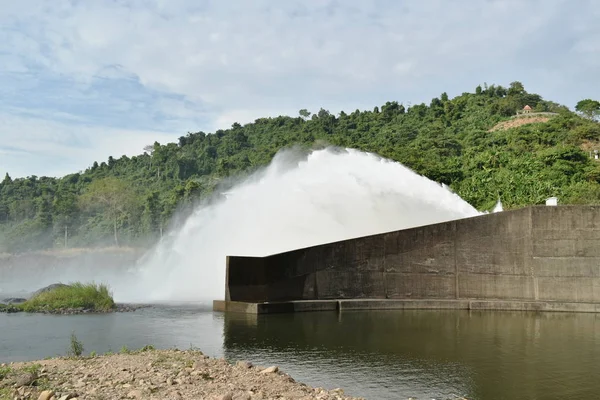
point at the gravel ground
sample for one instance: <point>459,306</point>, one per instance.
<point>152,374</point>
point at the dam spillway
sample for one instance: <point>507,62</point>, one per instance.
<point>534,258</point>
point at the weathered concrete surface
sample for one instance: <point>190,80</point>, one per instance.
<point>537,254</point>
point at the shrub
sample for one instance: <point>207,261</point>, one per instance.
<point>76,347</point>
<point>76,295</point>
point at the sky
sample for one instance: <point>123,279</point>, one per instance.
<point>81,80</point>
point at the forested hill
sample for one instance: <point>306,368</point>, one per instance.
<point>130,200</point>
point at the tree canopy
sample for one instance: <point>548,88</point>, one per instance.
<point>588,107</point>
<point>131,200</point>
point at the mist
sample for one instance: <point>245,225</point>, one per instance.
<point>299,200</point>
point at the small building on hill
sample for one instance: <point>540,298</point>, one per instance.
<point>527,109</point>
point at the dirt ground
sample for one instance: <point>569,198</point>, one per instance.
<point>513,123</point>
<point>152,374</point>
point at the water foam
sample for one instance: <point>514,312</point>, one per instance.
<point>297,201</point>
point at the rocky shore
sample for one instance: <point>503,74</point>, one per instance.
<point>12,308</point>
<point>152,374</point>
<point>59,298</point>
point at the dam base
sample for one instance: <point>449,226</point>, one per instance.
<point>413,304</point>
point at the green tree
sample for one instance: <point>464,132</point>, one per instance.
<point>516,88</point>
<point>113,197</point>
<point>152,213</point>
<point>65,209</point>
<point>304,113</point>
<point>589,108</point>
<point>7,180</point>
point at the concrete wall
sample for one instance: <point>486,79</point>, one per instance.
<point>536,253</point>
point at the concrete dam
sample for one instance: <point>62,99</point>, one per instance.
<point>544,258</point>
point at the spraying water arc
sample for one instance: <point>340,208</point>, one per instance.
<point>299,200</point>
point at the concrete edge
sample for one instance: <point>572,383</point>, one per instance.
<point>401,304</point>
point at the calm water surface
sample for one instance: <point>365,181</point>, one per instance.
<point>378,355</point>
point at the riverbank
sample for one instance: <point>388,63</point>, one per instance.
<point>152,374</point>
<point>12,308</point>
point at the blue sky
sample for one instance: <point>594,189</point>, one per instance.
<point>84,79</point>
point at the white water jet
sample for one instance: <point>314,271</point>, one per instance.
<point>297,201</point>
<point>498,207</point>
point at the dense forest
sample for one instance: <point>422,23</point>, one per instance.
<point>130,201</point>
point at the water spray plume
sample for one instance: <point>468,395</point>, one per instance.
<point>299,200</point>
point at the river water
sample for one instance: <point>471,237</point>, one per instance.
<point>375,354</point>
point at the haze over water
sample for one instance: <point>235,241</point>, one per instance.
<point>299,200</point>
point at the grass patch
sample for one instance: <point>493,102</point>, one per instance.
<point>6,394</point>
<point>5,371</point>
<point>76,295</point>
<point>32,369</point>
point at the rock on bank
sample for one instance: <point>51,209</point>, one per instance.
<point>154,374</point>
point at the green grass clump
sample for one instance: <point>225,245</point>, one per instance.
<point>4,371</point>
<point>6,394</point>
<point>75,346</point>
<point>32,369</point>
<point>76,295</point>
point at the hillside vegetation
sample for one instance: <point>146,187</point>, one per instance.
<point>131,200</point>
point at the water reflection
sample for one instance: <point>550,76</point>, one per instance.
<point>429,354</point>
<point>34,336</point>
<point>378,355</point>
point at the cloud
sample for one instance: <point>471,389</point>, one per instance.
<point>34,146</point>
<point>178,66</point>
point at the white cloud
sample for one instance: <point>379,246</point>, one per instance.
<point>33,146</point>
<point>201,65</point>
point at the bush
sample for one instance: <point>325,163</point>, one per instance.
<point>76,347</point>
<point>76,295</point>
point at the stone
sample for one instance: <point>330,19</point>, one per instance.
<point>25,379</point>
<point>46,395</point>
<point>14,300</point>
<point>48,288</point>
<point>244,364</point>
<point>69,396</point>
<point>135,394</point>
<point>170,381</point>
<point>243,396</point>
<point>227,396</point>
<point>270,370</point>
